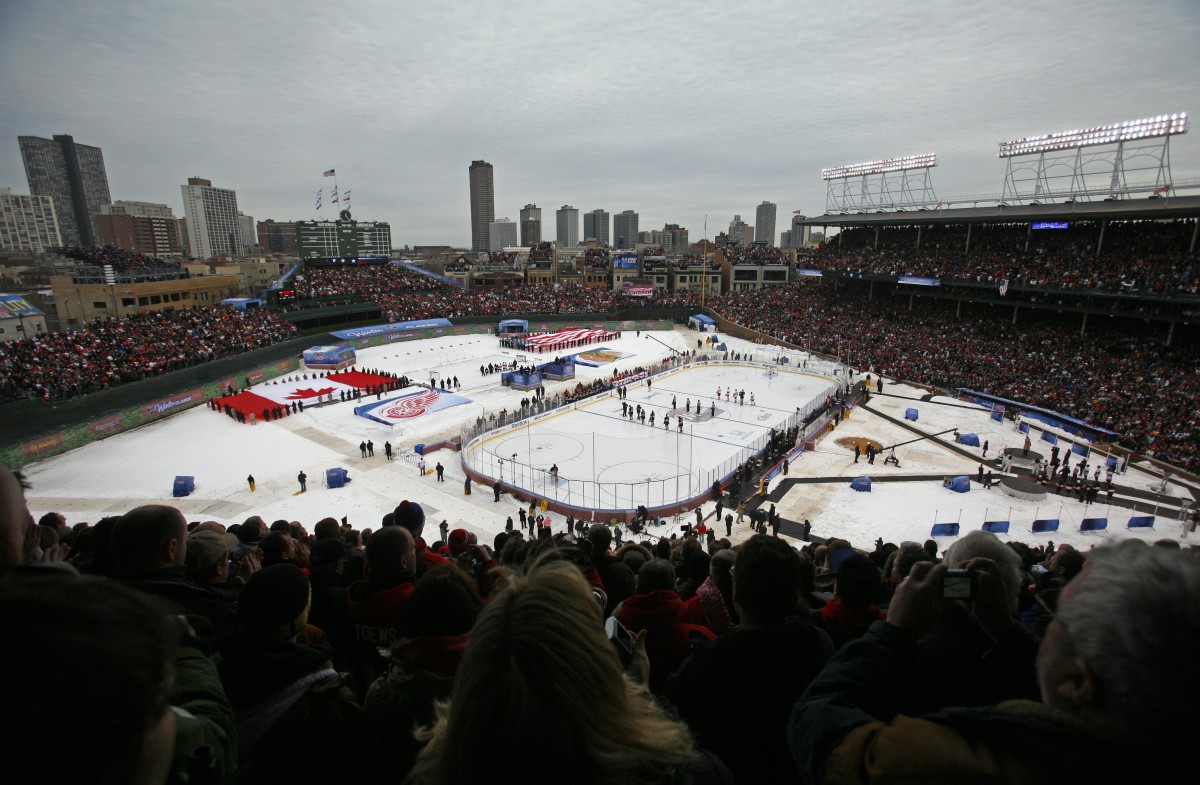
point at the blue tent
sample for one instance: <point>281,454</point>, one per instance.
<point>514,326</point>
<point>862,484</point>
<point>960,484</point>
<point>702,322</point>
<point>910,414</point>
<point>969,439</point>
<point>336,478</point>
<point>184,485</point>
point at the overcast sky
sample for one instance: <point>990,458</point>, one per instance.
<point>677,110</point>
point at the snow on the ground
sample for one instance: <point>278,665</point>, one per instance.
<point>110,476</point>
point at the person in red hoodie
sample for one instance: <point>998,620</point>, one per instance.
<point>854,607</point>
<point>669,624</point>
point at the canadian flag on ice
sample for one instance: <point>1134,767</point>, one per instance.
<point>307,390</point>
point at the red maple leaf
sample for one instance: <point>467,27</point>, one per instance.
<point>309,392</point>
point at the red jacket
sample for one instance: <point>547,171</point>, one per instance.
<point>669,626</point>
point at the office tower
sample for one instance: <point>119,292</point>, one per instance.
<point>531,225</point>
<point>625,229</point>
<point>483,204</point>
<point>595,226</point>
<point>800,232</point>
<point>144,227</point>
<point>764,223</point>
<point>247,234</point>
<point>212,219</point>
<point>740,233</point>
<point>502,234</point>
<point>28,223</point>
<point>275,237</point>
<point>568,226</point>
<point>679,238</point>
<point>74,176</point>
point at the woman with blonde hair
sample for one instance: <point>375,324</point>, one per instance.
<point>540,697</point>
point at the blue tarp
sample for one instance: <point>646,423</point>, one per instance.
<point>944,530</point>
<point>336,478</point>
<point>1141,522</point>
<point>184,485</point>
<point>996,527</point>
<point>969,439</point>
<point>703,319</point>
<point>910,414</point>
<point>1048,416</point>
<point>1046,525</point>
<point>861,484</point>
<point>1093,524</point>
<point>960,484</point>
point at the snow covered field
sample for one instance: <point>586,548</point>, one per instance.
<point>111,476</point>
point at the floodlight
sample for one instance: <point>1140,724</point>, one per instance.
<point>1127,131</point>
<point>923,161</point>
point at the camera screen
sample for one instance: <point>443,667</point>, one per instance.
<point>956,587</point>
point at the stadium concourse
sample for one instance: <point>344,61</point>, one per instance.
<point>110,477</point>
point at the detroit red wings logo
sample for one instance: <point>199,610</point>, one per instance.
<point>411,406</point>
<point>308,392</point>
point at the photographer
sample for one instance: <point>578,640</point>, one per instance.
<point>1113,705</point>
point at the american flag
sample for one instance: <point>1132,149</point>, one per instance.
<point>329,172</point>
<point>577,334</point>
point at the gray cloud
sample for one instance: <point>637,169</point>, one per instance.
<point>673,109</point>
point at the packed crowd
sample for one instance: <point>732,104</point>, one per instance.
<point>753,254</point>
<point>1136,256</point>
<point>108,352</point>
<point>1117,378</point>
<point>360,282</point>
<point>450,302</point>
<point>264,653</point>
<point>120,259</point>
<point>596,257</point>
<point>542,252</point>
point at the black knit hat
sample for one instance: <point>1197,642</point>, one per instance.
<point>275,602</point>
<point>410,516</point>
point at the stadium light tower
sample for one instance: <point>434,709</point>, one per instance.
<point>1093,162</point>
<point>890,184</point>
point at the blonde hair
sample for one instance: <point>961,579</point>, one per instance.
<point>541,696</point>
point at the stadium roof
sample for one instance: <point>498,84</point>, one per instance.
<point>1173,207</point>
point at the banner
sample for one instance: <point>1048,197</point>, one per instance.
<point>406,407</point>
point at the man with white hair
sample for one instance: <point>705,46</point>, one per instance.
<point>1116,705</point>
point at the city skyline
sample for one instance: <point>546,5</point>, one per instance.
<point>402,123</point>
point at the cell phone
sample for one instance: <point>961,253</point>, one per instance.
<point>622,639</point>
<point>958,585</point>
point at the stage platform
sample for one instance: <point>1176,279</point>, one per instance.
<point>1022,489</point>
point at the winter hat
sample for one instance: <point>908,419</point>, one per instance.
<point>205,548</point>
<point>410,516</point>
<point>274,603</point>
<point>458,541</point>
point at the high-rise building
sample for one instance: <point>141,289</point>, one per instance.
<point>531,225</point>
<point>502,234</point>
<point>625,229</point>
<point>483,204</point>
<point>74,176</point>
<point>28,223</point>
<point>212,219</point>
<point>568,226</point>
<point>144,227</point>
<point>595,226</point>
<point>275,237</point>
<point>740,232</point>
<point>799,235</point>
<point>679,238</point>
<point>764,223</point>
<point>246,231</point>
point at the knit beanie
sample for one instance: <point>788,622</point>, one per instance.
<point>274,603</point>
<point>458,541</point>
<point>410,516</point>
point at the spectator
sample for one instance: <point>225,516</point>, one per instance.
<point>1114,707</point>
<point>854,607</point>
<point>528,650</point>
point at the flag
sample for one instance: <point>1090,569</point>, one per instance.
<point>937,206</point>
<point>329,172</point>
<point>1163,189</point>
<point>346,194</point>
<point>1003,287</point>
<point>797,212</point>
